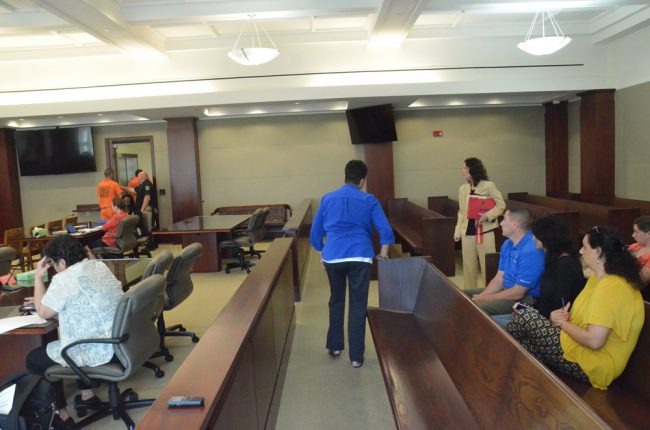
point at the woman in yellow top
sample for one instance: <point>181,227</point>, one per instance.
<point>477,235</point>
<point>594,341</point>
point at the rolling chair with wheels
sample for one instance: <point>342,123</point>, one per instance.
<point>158,266</point>
<point>134,339</point>
<point>242,239</point>
<point>126,240</point>
<point>260,233</point>
<point>146,241</point>
<point>179,287</point>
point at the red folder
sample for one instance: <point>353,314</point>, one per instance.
<point>479,205</point>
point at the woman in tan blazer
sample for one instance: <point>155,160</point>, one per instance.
<point>477,183</point>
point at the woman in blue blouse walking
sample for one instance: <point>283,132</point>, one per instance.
<point>346,218</point>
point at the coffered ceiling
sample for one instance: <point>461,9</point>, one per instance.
<point>159,58</point>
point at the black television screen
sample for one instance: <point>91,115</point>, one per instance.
<point>55,151</point>
<point>373,124</point>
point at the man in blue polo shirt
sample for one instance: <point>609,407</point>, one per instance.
<point>521,266</point>
<point>346,218</point>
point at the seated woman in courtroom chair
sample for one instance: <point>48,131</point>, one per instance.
<point>111,227</point>
<point>563,278</point>
<point>593,339</point>
<point>83,295</point>
<point>129,204</point>
<point>641,248</point>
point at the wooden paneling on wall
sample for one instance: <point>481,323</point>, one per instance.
<point>380,182</point>
<point>597,146</point>
<point>556,130</point>
<point>184,172</point>
<point>11,214</point>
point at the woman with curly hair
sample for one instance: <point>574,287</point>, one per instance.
<point>594,340</point>
<point>476,235</point>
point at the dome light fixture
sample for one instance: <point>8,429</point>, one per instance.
<point>255,54</point>
<point>546,44</point>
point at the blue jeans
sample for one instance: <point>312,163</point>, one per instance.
<point>502,320</point>
<point>357,275</point>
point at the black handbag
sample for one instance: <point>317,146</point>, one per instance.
<point>33,407</point>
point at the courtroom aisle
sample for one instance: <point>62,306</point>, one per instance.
<point>321,392</point>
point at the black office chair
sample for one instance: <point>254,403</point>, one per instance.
<point>179,287</point>
<point>158,266</point>
<point>134,339</point>
<point>260,234</point>
<point>145,241</point>
<point>126,240</point>
<point>242,239</point>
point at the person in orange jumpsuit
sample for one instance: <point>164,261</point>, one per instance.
<point>133,183</point>
<point>107,190</point>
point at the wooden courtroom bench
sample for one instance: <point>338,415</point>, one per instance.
<point>572,218</point>
<point>240,363</point>
<point>591,214</point>
<point>626,403</point>
<point>298,227</point>
<point>643,205</point>
<point>444,206</point>
<point>447,365</point>
<point>275,221</point>
<point>424,232</point>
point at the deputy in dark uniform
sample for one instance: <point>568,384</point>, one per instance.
<point>147,200</point>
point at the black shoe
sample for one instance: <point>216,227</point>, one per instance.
<point>69,424</point>
<point>59,424</point>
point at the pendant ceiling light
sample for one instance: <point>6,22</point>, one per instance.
<point>254,54</point>
<point>546,44</point>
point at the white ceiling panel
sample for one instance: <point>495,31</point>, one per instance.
<point>103,54</point>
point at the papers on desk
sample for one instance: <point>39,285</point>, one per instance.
<point>7,399</point>
<point>89,230</point>
<point>11,323</point>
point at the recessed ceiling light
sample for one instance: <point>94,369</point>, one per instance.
<point>21,119</point>
<point>60,117</point>
<point>256,112</point>
<point>296,103</point>
<point>100,114</point>
<point>213,112</point>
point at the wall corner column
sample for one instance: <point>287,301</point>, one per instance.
<point>556,135</point>
<point>184,168</point>
<point>597,146</point>
<point>381,179</point>
<point>11,211</point>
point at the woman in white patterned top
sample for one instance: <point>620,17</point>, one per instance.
<point>83,295</point>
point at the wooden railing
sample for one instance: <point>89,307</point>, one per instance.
<point>239,364</point>
<point>298,227</point>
